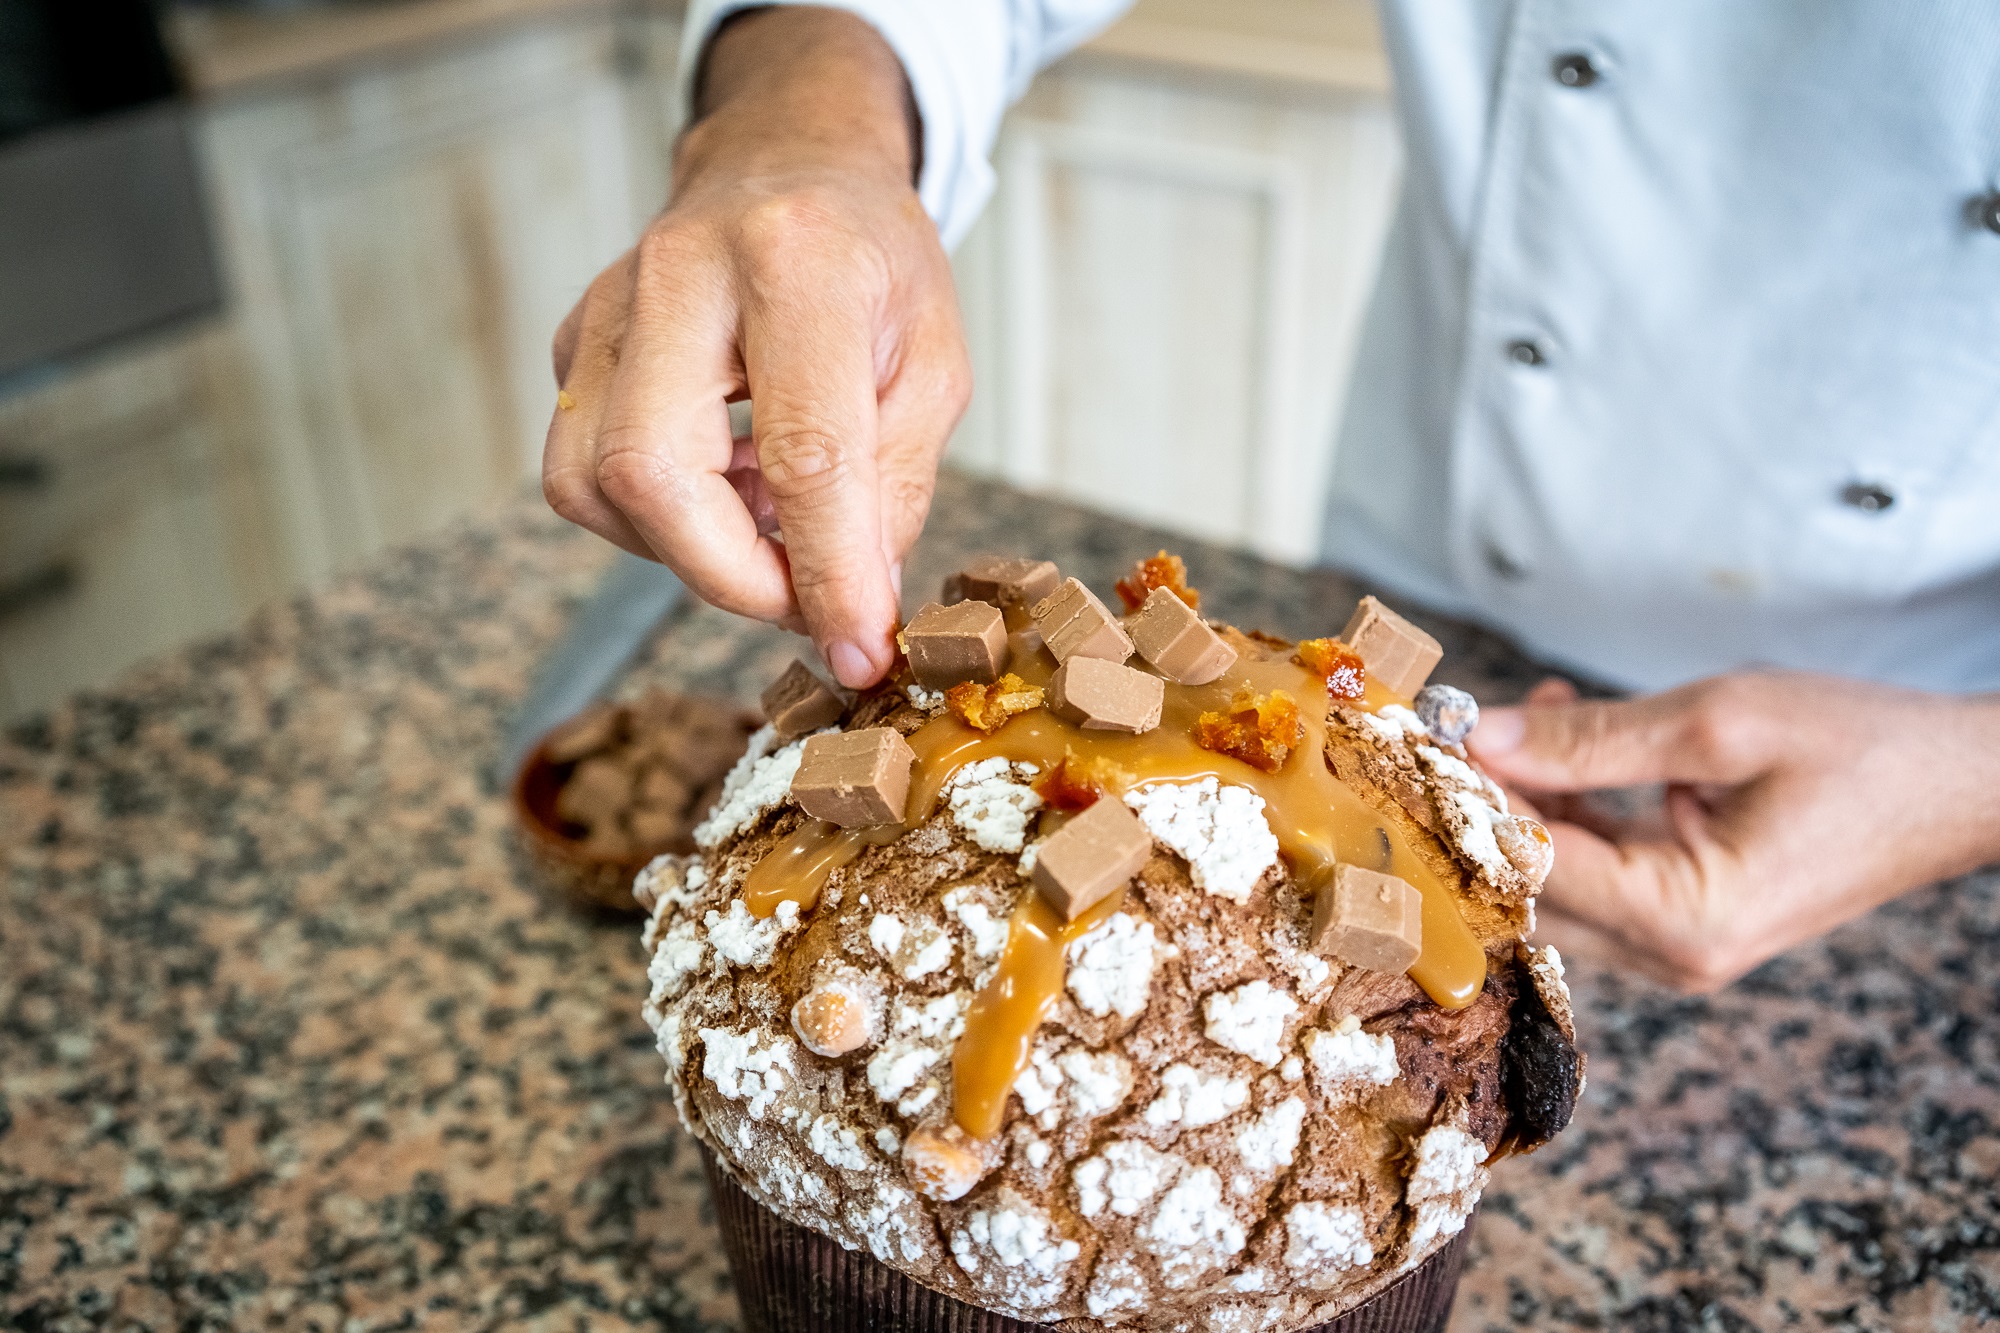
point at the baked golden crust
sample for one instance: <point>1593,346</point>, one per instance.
<point>1219,1128</point>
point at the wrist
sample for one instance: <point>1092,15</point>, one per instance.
<point>800,87</point>
<point>1982,733</point>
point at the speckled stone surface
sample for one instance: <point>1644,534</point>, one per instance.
<point>289,1037</point>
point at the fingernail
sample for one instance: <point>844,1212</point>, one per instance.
<point>1499,731</point>
<point>851,666</point>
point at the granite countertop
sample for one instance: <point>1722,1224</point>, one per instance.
<point>290,1037</point>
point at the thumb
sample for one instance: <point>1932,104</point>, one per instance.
<point>1588,744</point>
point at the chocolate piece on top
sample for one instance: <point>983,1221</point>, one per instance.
<point>1024,645</point>
<point>1074,623</point>
<point>799,702</point>
<point>1091,857</point>
<point>1103,696</point>
<point>855,778</point>
<point>596,793</point>
<point>1177,641</point>
<point>1369,919</point>
<point>598,727</point>
<point>1002,581</point>
<point>1396,652</point>
<point>948,645</point>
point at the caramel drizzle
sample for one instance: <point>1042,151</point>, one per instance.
<point>799,866</point>
<point>1000,1026</point>
<point>1318,820</point>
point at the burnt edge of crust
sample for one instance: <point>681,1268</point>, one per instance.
<point>1541,1070</point>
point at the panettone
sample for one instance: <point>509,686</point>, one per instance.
<point>1185,1108</point>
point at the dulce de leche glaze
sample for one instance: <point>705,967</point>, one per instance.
<point>1318,819</point>
<point>1000,1027</point>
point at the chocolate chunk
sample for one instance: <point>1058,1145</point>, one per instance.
<point>596,793</point>
<point>1395,652</point>
<point>1178,642</point>
<point>799,702</point>
<point>1091,857</point>
<point>855,778</point>
<point>1541,1070</point>
<point>598,727</point>
<point>1002,581</point>
<point>1074,623</point>
<point>1369,919</point>
<point>1024,646</point>
<point>655,828</point>
<point>949,645</point>
<point>663,789</point>
<point>1103,696</point>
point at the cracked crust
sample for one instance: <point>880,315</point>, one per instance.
<point>1228,1235</point>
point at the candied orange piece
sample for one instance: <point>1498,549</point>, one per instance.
<point>988,707</point>
<point>1345,676</point>
<point>1259,729</point>
<point>1157,571</point>
<point>1075,783</point>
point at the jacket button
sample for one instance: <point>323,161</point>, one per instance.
<point>1524,353</point>
<point>1987,209</point>
<point>1572,69</point>
<point>1867,496</point>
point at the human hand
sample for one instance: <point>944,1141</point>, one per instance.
<point>796,266</point>
<point>1794,803</point>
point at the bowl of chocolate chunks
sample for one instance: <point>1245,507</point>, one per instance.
<point>620,783</point>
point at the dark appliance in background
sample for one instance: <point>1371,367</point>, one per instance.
<point>103,229</point>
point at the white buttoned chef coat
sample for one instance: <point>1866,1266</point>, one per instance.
<point>1685,353</point>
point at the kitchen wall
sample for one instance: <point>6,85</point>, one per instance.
<point>1162,300</point>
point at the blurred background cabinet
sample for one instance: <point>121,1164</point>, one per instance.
<point>402,243</point>
<point>1164,297</point>
<point>408,195</point>
<point>128,521</point>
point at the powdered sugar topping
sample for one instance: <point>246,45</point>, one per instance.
<point>1325,1238</point>
<point>1444,1184</point>
<point>1192,1230</point>
<point>1111,966</point>
<point>748,1066</point>
<point>749,941</point>
<point>1190,1098</point>
<point>1014,1252</point>
<point>991,801</point>
<point>1219,830</point>
<point>1347,1059</point>
<point>758,781</point>
<point>1123,1178</point>
<point>1250,1020</point>
<point>1269,1142</point>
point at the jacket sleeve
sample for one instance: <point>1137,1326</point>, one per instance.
<point>967,60</point>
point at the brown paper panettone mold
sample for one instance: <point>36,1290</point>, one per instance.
<point>1216,1129</point>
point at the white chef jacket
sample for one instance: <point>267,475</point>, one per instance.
<point>1685,353</point>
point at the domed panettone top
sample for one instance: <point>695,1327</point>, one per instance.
<point>1234,1056</point>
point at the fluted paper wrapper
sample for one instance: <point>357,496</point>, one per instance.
<point>790,1279</point>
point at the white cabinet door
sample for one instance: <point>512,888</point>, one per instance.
<point>1164,297</point>
<point>128,524</point>
<point>402,244</point>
